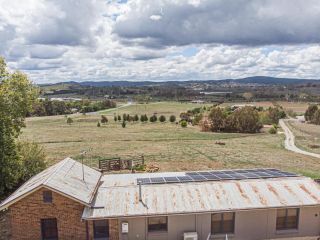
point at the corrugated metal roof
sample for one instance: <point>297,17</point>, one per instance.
<point>64,177</point>
<point>118,196</point>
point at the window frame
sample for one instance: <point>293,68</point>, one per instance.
<point>98,235</point>
<point>285,228</point>
<point>43,228</point>
<point>47,198</point>
<point>221,223</point>
<point>150,231</point>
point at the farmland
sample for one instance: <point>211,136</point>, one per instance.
<point>166,145</point>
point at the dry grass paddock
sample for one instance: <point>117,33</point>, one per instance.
<point>166,145</point>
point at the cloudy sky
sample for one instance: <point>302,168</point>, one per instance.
<point>105,40</point>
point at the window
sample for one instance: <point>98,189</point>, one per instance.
<point>287,218</point>
<point>49,229</point>
<point>101,229</point>
<point>157,224</point>
<point>222,223</point>
<point>47,196</point>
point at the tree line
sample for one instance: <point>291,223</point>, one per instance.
<point>242,120</point>
<point>49,107</point>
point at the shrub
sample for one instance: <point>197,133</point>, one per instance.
<point>272,130</point>
<point>153,118</point>
<point>172,118</point>
<point>316,117</point>
<point>197,118</point>
<point>124,117</point>
<point>184,123</point>
<point>162,118</point>
<point>136,118</point>
<point>217,118</point>
<point>115,118</point>
<point>246,120</point>
<point>98,124</point>
<point>310,112</point>
<point>104,119</point>
<point>69,120</point>
<point>123,124</point>
<point>119,118</point>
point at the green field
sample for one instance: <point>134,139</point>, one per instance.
<point>165,145</point>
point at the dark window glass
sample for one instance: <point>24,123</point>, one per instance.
<point>287,218</point>
<point>157,224</point>
<point>47,196</point>
<point>49,229</point>
<point>222,223</point>
<point>101,229</point>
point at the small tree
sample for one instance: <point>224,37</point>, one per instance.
<point>217,119</point>
<point>153,118</point>
<point>69,120</point>
<point>273,130</point>
<point>162,118</point>
<point>316,117</point>
<point>98,124</point>
<point>104,119</point>
<point>184,123</point>
<point>123,124</point>
<point>119,118</point>
<point>115,118</point>
<point>310,112</point>
<point>172,118</point>
<point>124,117</point>
<point>136,118</point>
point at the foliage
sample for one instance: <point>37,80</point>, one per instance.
<point>115,118</point>
<point>316,117</point>
<point>136,118</point>
<point>104,119</point>
<point>17,95</point>
<point>153,118</point>
<point>184,123</point>
<point>217,119</point>
<point>272,115</point>
<point>119,118</point>
<point>33,159</point>
<point>273,130</point>
<point>69,120</point>
<point>123,124</point>
<point>162,118</point>
<point>172,118</point>
<point>98,124</point>
<point>187,116</point>
<point>247,120</point>
<point>310,112</point>
<point>197,118</point>
<point>143,118</point>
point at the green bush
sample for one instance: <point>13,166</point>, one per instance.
<point>104,119</point>
<point>98,124</point>
<point>69,120</point>
<point>162,118</point>
<point>136,118</point>
<point>119,118</point>
<point>272,130</point>
<point>184,123</point>
<point>123,124</point>
<point>115,118</point>
<point>153,118</point>
<point>172,118</point>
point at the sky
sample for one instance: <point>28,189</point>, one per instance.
<point>139,40</point>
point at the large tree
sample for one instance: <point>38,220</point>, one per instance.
<point>17,94</point>
<point>217,119</point>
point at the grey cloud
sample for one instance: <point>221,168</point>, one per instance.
<point>72,25</point>
<point>46,52</point>
<point>240,22</point>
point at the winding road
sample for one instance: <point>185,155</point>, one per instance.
<point>289,141</point>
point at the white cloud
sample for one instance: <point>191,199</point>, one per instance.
<point>148,40</point>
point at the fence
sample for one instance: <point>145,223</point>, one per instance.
<point>117,164</point>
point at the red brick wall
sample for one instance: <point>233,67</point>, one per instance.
<point>25,217</point>
<point>113,229</point>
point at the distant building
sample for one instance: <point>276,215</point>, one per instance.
<point>67,201</point>
<point>198,101</point>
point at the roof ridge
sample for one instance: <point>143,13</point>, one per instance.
<point>55,171</point>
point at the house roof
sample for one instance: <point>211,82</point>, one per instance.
<point>118,195</point>
<point>65,178</point>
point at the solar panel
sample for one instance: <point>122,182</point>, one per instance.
<point>157,180</point>
<point>204,176</point>
<point>185,179</point>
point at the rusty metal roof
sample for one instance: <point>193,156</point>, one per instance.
<point>65,178</point>
<point>118,196</point>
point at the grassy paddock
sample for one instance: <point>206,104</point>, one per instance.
<point>166,145</point>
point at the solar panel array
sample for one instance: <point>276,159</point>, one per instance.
<point>218,176</point>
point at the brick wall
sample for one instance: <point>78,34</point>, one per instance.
<point>5,228</point>
<point>113,229</point>
<point>25,217</point>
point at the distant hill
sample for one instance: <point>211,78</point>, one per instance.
<point>249,80</point>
